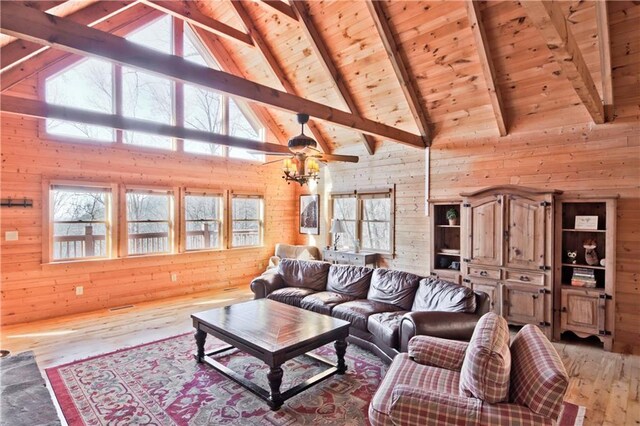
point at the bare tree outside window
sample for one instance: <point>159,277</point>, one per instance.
<point>376,224</point>
<point>203,217</point>
<point>79,222</point>
<point>344,209</point>
<point>241,127</point>
<point>148,222</point>
<point>246,223</point>
<point>202,111</point>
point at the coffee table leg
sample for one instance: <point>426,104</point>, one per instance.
<point>275,380</point>
<point>201,337</point>
<point>341,349</point>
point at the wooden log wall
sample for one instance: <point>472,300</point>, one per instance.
<point>32,290</point>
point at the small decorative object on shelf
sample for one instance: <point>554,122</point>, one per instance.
<point>603,262</point>
<point>452,216</point>
<point>590,254</point>
<point>356,245</point>
<point>572,256</point>
<point>455,265</point>
<point>586,223</point>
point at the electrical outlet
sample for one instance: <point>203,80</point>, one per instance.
<point>174,277</point>
<point>79,290</point>
<point>11,236</point>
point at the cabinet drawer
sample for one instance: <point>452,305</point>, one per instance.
<point>341,257</point>
<point>526,277</point>
<point>329,255</point>
<point>482,272</point>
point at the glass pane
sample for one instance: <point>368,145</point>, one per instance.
<point>344,208</point>
<point>348,236</point>
<point>144,206</point>
<point>375,235</point>
<point>144,238</point>
<point>241,127</point>
<point>199,207</point>
<point>77,205</point>
<point>80,130</point>
<point>157,36</point>
<point>246,233</point>
<point>202,111</point>
<point>146,96</point>
<point>190,51</point>
<point>376,209</point>
<point>203,235</point>
<point>148,140</point>
<point>246,208</point>
<point>76,240</point>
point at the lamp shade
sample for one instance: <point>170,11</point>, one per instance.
<point>337,227</point>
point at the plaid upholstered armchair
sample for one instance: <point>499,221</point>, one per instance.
<point>483,382</point>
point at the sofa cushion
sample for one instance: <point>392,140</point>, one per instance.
<point>290,295</point>
<point>303,273</point>
<point>539,380</point>
<point>324,301</point>
<point>357,312</point>
<point>393,287</point>
<point>486,368</point>
<point>438,295</point>
<point>350,280</point>
<point>385,327</point>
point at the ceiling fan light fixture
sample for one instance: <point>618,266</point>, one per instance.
<point>300,142</point>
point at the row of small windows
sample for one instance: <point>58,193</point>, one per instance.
<point>83,217</point>
<point>90,85</point>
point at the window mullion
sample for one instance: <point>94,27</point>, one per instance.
<point>178,91</point>
<point>225,121</point>
<point>117,96</point>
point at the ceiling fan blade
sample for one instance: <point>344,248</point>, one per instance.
<point>337,157</point>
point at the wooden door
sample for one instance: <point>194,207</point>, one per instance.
<point>525,236</point>
<point>523,304</point>
<point>484,227</point>
<point>492,288</point>
<point>581,311</point>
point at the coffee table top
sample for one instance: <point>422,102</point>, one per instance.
<point>271,325</point>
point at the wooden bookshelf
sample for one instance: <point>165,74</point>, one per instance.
<point>445,241</point>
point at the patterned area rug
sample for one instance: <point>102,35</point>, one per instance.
<point>161,384</point>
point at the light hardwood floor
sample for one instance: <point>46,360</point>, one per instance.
<point>608,384</point>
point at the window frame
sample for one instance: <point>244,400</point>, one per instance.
<point>360,196</point>
<point>261,220</point>
<point>207,192</point>
<point>174,205</point>
<point>111,223</point>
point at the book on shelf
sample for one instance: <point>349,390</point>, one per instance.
<point>583,277</point>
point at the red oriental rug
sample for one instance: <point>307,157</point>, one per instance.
<point>160,383</point>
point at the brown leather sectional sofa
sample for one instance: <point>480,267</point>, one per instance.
<point>386,308</point>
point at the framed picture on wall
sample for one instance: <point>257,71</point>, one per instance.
<point>310,214</point>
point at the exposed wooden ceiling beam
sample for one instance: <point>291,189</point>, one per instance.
<point>64,34</point>
<point>403,75</point>
<point>120,24</point>
<point>42,4</point>
<point>604,42</point>
<point>212,43</point>
<point>20,106</point>
<point>488,70</point>
<point>319,47</point>
<point>548,17</point>
<point>283,8</point>
<point>20,50</point>
<point>189,12</point>
<point>270,58</point>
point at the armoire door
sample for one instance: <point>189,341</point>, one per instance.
<point>484,224</point>
<point>525,236</point>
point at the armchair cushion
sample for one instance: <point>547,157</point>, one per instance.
<point>438,295</point>
<point>539,380</point>
<point>324,301</point>
<point>423,407</point>
<point>304,274</point>
<point>393,287</point>
<point>290,295</point>
<point>486,368</point>
<point>288,251</point>
<point>350,280</point>
<point>385,326</point>
<point>436,352</point>
<point>511,415</point>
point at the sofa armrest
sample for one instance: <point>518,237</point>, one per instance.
<point>421,407</point>
<point>446,325</point>
<point>437,352</point>
<point>266,283</point>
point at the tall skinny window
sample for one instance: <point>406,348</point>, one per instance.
<point>203,221</point>
<point>246,220</point>
<point>149,222</point>
<point>375,226</point>
<point>80,219</point>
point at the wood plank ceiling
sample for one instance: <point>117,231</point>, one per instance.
<point>331,52</point>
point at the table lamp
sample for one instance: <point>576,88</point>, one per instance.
<point>336,229</point>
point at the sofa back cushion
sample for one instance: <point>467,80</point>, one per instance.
<point>437,295</point>
<point>486,368</point>
<point>349,280</point>
<point>539,380</point>
<point>393,287</point>
<point>304,273</point>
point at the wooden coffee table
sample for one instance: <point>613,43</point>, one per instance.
<point>274,333</point>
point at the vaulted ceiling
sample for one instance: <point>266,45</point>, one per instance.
<point>450,69</point>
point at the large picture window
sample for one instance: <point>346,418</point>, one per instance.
<point>203,221</point>
<point>80,222</point>
<point>149,222</point>
<point>246,220</point>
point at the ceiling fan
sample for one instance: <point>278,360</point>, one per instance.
<point>303,164</point>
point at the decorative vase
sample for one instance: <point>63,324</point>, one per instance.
<point>590,254</point>
<point>453,222</point>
